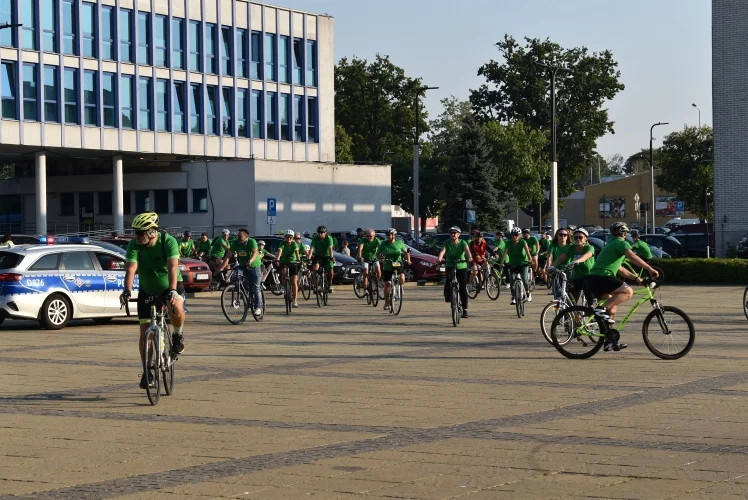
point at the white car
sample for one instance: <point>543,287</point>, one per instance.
<point>56,283</point>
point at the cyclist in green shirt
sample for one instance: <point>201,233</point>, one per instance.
<point>203,247</point>
<point>289,254</point>
<point>322,252</point>
<point>247,256</point>
<point>392,250</point>
<point>500,246</point>
<point>640,247</point>
<point>154,256</point>
<point>556,247</point>
<point>367,252</point>
<point>580,256</point>
<point>517,254</point>
<point>458,256</point>
<point>532,244</point>
<point>186,245</point>
<point>543,244</point>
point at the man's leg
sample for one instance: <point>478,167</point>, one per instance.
<point>617,297</point>
<point>526,281</point>
<point>254,286</point>
<point>366,276</point>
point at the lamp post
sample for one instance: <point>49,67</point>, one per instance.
<point>697,109</point>
<point>416,154</point>
<point>653,204</point>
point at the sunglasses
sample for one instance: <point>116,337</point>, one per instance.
<point>298,239</point>
<point>141,233</point>
<point>579,237</point>
<point>563,234</point>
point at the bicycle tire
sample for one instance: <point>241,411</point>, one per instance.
<point>258,317</point>
<point>325,293</point>
<point>287,294</point>
<point>358,286</point>
<point>380,288</point>
<point>396,305</point>
<point>151,370</point>
<point>548,282</point>
<point>275,284</point>
<point>530,280</point>
<point>493,286</point>
<point>745,302</point>
<point>318,285</point>
<point>666,331</point>
<point>475,285</point>
<point>236,309</point>
<point>518,297</point>
<point>546,320</point>
<point>168,371</point>
<point>374,290</point>
<point>565,325</point>
<point>305,287</point>
<point>455,306</point>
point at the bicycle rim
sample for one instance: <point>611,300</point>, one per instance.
<point>493,287</point>
<point>374,291</point>
<point>358,286</point>
<point>234,305</point>
<point>546,320</point>
<point>455,307</point>
<point>325,293</point>
<point>306,289</point>
<point>167,368</point>
<point>318,289</point>
<point>745,302</point>
<point>380,288</point>
<point>518,298</point>
<point>668,333</point>
<point>577,333</point>
<point>397,298</point>
<point>151,370</point>
<point>475,285</point>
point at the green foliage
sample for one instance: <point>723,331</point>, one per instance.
<point>687,171</point>
<point>703,270</point>
<point>343,146</point>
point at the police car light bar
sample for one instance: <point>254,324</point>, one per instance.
<point>64,240</point>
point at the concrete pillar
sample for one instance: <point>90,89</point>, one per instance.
<point>118,195</point>
<point>40,173</point>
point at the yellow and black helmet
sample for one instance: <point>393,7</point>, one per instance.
<point>145,221</point>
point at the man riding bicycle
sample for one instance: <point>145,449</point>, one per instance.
<point>517,254</point>
<point>289,255</point>
<point>602,282</point>
<point>478,250</point>
<point>640,247</point>
<point>154,256</point>
<point>186,245</point>
<point>392,250</point>
<point>533,245</point>
<point>457,252</point>
<point>322,249</point>
<point>543,254</point>
<point>367,252</point>
<point>247,254</point>
<point>203,247</point>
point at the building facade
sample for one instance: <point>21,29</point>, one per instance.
<point>115,102</point>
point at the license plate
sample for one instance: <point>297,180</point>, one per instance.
<point>442,269</point>
<point>202,276</point>
<point>355,271</point>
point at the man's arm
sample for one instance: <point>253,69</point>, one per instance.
<point>131,269</point>
<point>227,259</point>
<point>635,259</point>
<point>172,265</point>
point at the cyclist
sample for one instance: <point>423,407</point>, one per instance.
<point>478,250</point>
<point>322,247</point>
<point>603,283</point>
<point>532,244</point>
<point>392,250</point>
<point>186,245</point>
<point>640,247</point>
<point>499,248</point>
<point>458,256</point>
<point>203,247</point>
<point>359,236</point>
<point>580,256</point>
<point>248,256</point>
<point>518,254</point>
<point>557,247</point>
<point>367,252</point>
<point>543,257</point>
<point>217,253</point>
<point>289,254</point>
<point>154,256</point>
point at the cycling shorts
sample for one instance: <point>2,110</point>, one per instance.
<point>597,286</point>
<point>324,262</point>
<point>293,268</point>
<point>146,299</point>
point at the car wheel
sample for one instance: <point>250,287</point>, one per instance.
<point>102,321</point>
<point>56,312</point>
<point>2,318</point>
<point>410,275</point>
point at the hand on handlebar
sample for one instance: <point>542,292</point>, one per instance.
<point>654,274</point>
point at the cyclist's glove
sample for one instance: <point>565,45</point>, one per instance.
<point>124,296</point>
<point>172,294</point>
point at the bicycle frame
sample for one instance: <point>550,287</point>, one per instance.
<point>647,296</point>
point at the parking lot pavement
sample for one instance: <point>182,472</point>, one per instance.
<point>347,401</point>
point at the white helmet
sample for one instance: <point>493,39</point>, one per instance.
<point>392,230</point>
<point>516,230</point>
<point>226,232</point>
<point>289,232</point>
<point>455,229</point>
<point>261,242</point>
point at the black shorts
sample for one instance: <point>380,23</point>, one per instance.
<point>293,268</point>
<point>542,260</point>
<point>146,299</point>
<point>597,286</point>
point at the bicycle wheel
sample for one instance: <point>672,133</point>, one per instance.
<point>380,288</point>
<point>234,304</point>
<point>168,365</point>
<point>358,286</point>
<point>531,279</point>
<point>318,286</point>
<point>745,302</point>
<point>305,287</point>
<point>374,290</point>
<point>577,333</point>
<point>455,306</point>
<point>493,287</point>
<point>548,281</point>
<point>672,336</point>
<point>287,293</point>
<point>275,284</point>
<point>151,369</point>
<point>396,295</point>
<point>474,287</point>
<point>253,306</point>
<point>325,293</point>
<point>518,288</point>
<point>546,319</point>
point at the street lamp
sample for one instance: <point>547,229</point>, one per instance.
<point>416,154</point>
<point>653,203</point>
<point>697,109</point>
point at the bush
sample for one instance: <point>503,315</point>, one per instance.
<point>703,270</point>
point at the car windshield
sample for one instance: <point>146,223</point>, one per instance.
<point>109,246</point>
<point>9,260</point>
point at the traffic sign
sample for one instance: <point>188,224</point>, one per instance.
<point>470,216</point>
<point>271,209</point>
<point>468,204</point>
<point>680,207</point>
<point>271,220</point>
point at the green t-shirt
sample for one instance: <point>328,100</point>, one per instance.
<point>242,252</point>
<point>251,247</point>
<point>573,252</point>
<point>532,243</point>
<point>393,252</point>
<point>516,253</point>
<point>153,274</point>
<point>321,246</point>
<point>545,244</point>
<point>610,258</point>
<point>555,251</point>
<point>641,248</point>
<point>455,254</point>
<point>500,246</point>
<point>186,247</point>
<point>204,246</point>
<point>288,252</point>
<point>369,248</point>
<point>217,249</point>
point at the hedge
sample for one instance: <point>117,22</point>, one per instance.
<point>703,270</point>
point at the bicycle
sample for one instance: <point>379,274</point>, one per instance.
<point>159,357</point>
<point>321,286</point>
<point>288,290</point>
<point>582,327</point>
<point>273,280</point>
<point>520,292</point>
<point>560,282</point>
<point>305,285</point>
<point>372,291</point>
<point>237,300</point>
<point>456,301</point>
<point>644,274</point>
<point>488,279</point>
<point>395,300</point>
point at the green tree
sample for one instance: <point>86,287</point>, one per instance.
<point>517,89</point>
<point>686,167</point>
<point>343,146</point>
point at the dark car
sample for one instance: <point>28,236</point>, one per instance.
<point>666,243</point>
<point>346,268</point>
<point>695,244</point>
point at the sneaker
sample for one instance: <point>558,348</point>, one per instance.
<point>514,301</point>
<point>464,314</point>
<point>386,307</point>
<point>143,383</point>
<point>615,346</point>
<point>295,304</point>
<point>177,342</point>
<point>329,289</point>
<point>529,297</point>
<point>258,312</point>
<point>507,286</point>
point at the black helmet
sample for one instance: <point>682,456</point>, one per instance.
<point>186,234</point>
<point>634,233</point>
<point>321,229</point>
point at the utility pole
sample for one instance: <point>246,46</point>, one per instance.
<point>416,166</point>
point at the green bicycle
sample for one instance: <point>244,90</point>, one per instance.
<point>644,274</point>
<point>578,333</point>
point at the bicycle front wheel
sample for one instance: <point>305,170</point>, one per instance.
<point>518,298</point>
<point>577,333</point>
<point>745,302</point>
<point>493,286</point>
<point>318,286</point>
<point>168,365</point>
<point>287,293</point>
<point>474,288</point>
<point>358,286</point>
<point>455,306</point>
<point>531,280</point>
<point>546,319</point>
<point>668,333</point>
<point>234,304</point>
<point>374,290</point>
<point>396,295</point>
<point>305,287</point>
<point>151,370</point>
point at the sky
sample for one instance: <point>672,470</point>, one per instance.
<point>663,48</point>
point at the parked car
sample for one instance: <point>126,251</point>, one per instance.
<point>665,242</point>
<point>598,244</point>
<point>346,268</point>
<point>694,244</point>
<point>423,267</point>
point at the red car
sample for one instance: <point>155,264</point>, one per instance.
<point>196,274</point>
<point>423,267</point>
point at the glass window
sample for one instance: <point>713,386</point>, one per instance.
<point>283,55</point>
<point>70,95</point>
<point>298,110</point>
<point>162,105</point>
<point>86,203</point>
<point>109,94</point>
<point>195,42</point>
<point>298,61</point>
<point>107,32</point>
<point>125,96</point>
<point>226,51</point>
<point>30,93</point>
<point>144,36</point>
<point>88,19</point>
<point>144,101</point>
<point>226,111</point>
<point>179,123</point>
<point>199,200</point>
<point>69,27</point>
<point>50,95</point>
<point>126,203</point>
<point>180,201</point>
<point>256,55</point>
<point>76,261</point>
<point>9,90</point>
<point>311,119</point>
<point>105,203</point>
<point>270,56</point>
<point>241,112</point>
<point>6,17</point>
<point>67,203</point>
<point>311,63</point>
<point>241,52</point>
<point>28,35</point>
<point>256,108</point>
<point>211,111</point>
<point>270,115</point>
<point>125,35</point>
<point>161,201</point>
<point>196,107</point>
<point>210,48</point>
<point>177,44</point>
<point>142,201</point>
<point>162,29</point>
<point>90,98</point>
<point>285,117</point>
<point>49,21</point>
<point>49,261</point>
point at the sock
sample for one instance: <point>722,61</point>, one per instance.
<point>177,330</point>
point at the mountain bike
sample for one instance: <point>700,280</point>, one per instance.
<point>520,292</point>
<point>321,286</point>
<point>288,290</point>
<point>488,279</point>
<point>560,282</point>
<point>237,300</point>
<point>642,273</point>
<point>395,300</point>
<point>159,358</point>
<point>373,286</point>
<point>456,301</point>
<point>578,332</point>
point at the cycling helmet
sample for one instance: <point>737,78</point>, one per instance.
<point>499,233</point>
<point>619,227</point>
<point>516,231</point>
<point>359,230</point>
<point>306,247</point>
<point>476,232</point>
<point>261,242</point>
<point>525,231</point>
<point>226,232</point>
<point>583,231</point>
<point>391,230</point>
<point>289,232</point>
<point>455,229</point>
<point>145,221</point>
<point>321,229</point>
<point>634,233</point>
<point>186,234</point>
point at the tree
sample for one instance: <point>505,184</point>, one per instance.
<point>517,89</point>
<point>343,146</point>
<point>686,167</point>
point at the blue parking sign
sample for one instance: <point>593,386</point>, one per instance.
<point>271,207</point>
<point>680,207</point>
<point>470,216</point>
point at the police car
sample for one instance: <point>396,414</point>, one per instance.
<point>54,283</point>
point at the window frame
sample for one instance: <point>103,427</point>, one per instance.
<point>70,105</point>
<point>12,98</point>
<point>240,50</point>
<point>270,56</point>
<point>49,7</point>
<point>299,69</point>
<point>124,35</point>
<point>99,204</point>
<point>64,205</point>
<point>88,39</point>
<point>156,202</point>
<point>255,56</point>
<point>225,45</point>
<point>161,46</point>
<point>298,116</point>
<point>107,77</point>
<point>87,106</point>
<point>271,115</point>
<point>256,113</point>
<point>145,103</point>
<point>195,45</point>
<point>72,35</point>
<point>285,117</point>
<point>29,101</point>
<point>182,106</point>
<point>227,106</point>
<point>108,46</point>
<point>195,206</point>
<point>28,30</point>
<point>124,105</point>
<point>311,63</point>
<point>241,113</point>
<point>163,106</point>
<point>177,43</point>
<point>8,36</point>
<point>211,35</point>
<point>51,103</point>
<point>284,50</point>
<point>144,37</point>
<point>311,120</point>
<point>146,202</point>
<point>211,115</point>
<point>176,195</point>
<point>195,102</point>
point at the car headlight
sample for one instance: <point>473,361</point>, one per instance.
<point>425,263</point>
<point>182,267</point>
<point>338,264</point>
